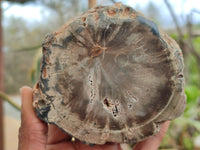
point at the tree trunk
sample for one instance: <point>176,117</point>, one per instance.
<point>91,3</point>
<point>1,82</point>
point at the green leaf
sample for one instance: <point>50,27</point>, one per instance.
<point>188,144</point>
<point>192,92</point>
<point>196,44</point>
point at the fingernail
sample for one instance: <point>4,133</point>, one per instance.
<point>20,90</point>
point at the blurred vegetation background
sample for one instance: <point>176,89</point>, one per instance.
<point>23,38</point>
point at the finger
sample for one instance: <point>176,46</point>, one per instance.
<point>110,146</point>
<point>80,146</point>
<point>32,131</point>
<point>61,146</point>
<point>153,142</point>
<point>162,131</point>
<point>28,114</point>
<point>55,135</point>
<point>107,146</point>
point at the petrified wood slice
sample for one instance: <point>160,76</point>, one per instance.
<point>110,75</point>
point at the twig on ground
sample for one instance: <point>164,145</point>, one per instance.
<point>9,100</point>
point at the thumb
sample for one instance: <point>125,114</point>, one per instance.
<point>153,142</point>
<point>32,133</point>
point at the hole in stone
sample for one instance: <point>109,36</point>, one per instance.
<point>106,102</point>
<point>129,106</point>
<point>63,103</point>
<point>180,76</point>
<point>111,12</point>
<point>41,102</point>
<point>115,111</point>
<point>127,9</point>
<point>125,139</point>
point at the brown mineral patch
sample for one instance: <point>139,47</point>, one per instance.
<point>96,17</point>
<point>57,33</point>
<point>111,12</point>
<point>44,74</point>
<point>80,57</point>
<point>98,7</point>
<point>36,87</point>
<point>96,51</point>
<point>133,15</point>
<point>127,10</point>
<point>84,18</point>
<point>44,50</point>
<point>47,60</point>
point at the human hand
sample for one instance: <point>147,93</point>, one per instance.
<point>34,134</point>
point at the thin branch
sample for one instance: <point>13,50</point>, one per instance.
<point>9,100</point>
<point>174,18</point>
<point>113,1</point>
<point>28,48</point>
<point>189,29</point>
<point>184,45</point>
<point>196,34</point>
